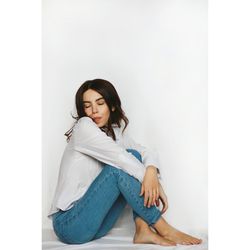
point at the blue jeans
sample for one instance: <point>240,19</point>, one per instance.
<point>94,214</point>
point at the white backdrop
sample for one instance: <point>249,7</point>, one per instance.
<point>155,54</point>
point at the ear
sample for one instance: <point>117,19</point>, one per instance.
<point>113,109</point>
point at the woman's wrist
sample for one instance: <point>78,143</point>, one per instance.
<point>151,168</point>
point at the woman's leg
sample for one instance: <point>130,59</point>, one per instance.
<point>143,233</point>
<point>111,218</point>
<point>117,208</point>
<point>81,223</point>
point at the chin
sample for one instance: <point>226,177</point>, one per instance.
<point>100,125</point>
<point>103,124</point>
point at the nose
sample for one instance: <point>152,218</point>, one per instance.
<point>94,109</point>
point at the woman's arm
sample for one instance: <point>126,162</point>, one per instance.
<point>151,182</point>
<point>87,138</point>
<point>149,157</point>
<point>150,187</point>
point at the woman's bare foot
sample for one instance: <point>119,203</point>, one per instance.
<point>144,235</point>
<point>175,235</point>
<point>147,236</point>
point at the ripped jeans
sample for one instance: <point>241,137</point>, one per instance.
<point>94,214</point>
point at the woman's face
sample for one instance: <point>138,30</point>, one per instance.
<point>96,107</point>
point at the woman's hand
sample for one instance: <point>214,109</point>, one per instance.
<point>163,198</point>
<point>150,186</point>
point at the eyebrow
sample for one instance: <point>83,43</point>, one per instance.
<point>95,100</point>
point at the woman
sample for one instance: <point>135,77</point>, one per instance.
<point>102,170</point>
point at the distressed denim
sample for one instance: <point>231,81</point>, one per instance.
<point>94,214</point>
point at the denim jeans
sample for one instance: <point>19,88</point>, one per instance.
<point>94,214</point>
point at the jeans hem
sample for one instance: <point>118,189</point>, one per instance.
<point>155,219</point>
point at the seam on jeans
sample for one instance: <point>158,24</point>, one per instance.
<point>144,210</point>
<point>156,217</point>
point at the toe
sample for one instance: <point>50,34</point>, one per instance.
<point>173,243</point>
<point>194,241</point>
<point>170,242</point>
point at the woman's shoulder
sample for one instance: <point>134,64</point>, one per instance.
<point>85,125</point>
<point>88,121</point>
<point>84,119</point>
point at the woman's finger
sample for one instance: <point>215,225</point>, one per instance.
<point>164,203</point>
<point>150,198</point>
<point>157,203</point>
<point>142,190</point>
<point>145,198</point>
<point>157,194</point>
<point>154,197</point>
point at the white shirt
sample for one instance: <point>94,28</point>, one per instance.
<point>89,147</point>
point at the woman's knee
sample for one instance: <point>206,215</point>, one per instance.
<point>135,153</point>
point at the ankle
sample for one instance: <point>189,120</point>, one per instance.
<point>142,228</point>
<point>162,227</point>
<point>141,225</point>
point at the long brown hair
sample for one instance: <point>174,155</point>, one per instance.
<point>110,95</point>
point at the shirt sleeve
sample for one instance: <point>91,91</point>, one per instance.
<point>149,156</point>
<point>89,139</point>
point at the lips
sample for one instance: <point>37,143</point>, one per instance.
<point>97,119</point>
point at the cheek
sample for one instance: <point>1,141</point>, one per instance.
<point>87,111</point>
<point>106,113</point>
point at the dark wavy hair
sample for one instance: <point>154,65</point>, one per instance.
<point>110,95</point>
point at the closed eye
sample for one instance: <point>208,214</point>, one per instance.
<point>88,106</point>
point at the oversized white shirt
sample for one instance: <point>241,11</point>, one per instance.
<point>89,147</point>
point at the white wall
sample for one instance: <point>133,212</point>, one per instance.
<point>155,53</point>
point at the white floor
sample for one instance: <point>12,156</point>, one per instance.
<point>120,237</point>
<point>116,239</point>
